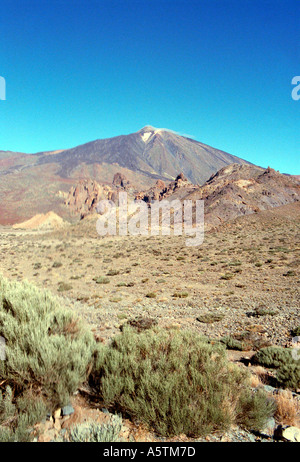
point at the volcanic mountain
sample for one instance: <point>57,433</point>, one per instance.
<point>37,183</point>
<point>156,153</point>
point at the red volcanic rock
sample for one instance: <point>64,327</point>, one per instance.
<point>181,177</point>
<point>83,198</point>
<point>161,191</point>
<point>160,185</point>
<point>120,180</point>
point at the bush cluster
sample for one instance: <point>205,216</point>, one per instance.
<point>48,352</point>
<point>171,380</point>
<point>92,432</point>
<point>282,359</point>
<point>175,382</point>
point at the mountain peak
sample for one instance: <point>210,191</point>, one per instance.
<point>148,131</point>
<point>148,128</point>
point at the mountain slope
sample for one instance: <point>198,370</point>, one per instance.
<point>37,183</point>
<point>238,190</point>
<point>157,153</point>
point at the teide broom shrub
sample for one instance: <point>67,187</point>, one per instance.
<point>175,382</point>
<point>286,364</point>
<point>47,350</point>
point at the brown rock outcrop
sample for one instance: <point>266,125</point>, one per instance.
<point>161,191</point>
<point>120,180</point>
<point>83,198</point>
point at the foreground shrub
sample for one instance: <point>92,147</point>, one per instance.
<point>254,409</point>
<point>16,419</point>
<point>175,382</point>
<point>48,352</point>
<point>288,408</point>
<point>97,433</point>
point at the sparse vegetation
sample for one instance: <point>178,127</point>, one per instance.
<point>282,359</point>
<point>273,357</point>
<point>238,313</point>
<point>209,318</point>
<point>92,432</point>
<point>296,331</point>
<point>226,276</point>
<point>48,351</point>
<point>233,344</point>
<point>113,273</point>
<point>180,294</point>
<point>175,383</point>
<point>64,287</point>
<point>101,280</point>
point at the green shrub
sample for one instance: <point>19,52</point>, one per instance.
<point>112,273</point>
<point>180,294</point>
<point>288,376</point>
<point>209,318</point>
<point>233,344</point>
<point>64,286</point>
<point>16,419</point>
<point>173,381</point>
<point>288,368</point>
<point>7,408</point>
<point>253,408</point>
<point>227,276</point>
<point>47,350</point>
<point>151,295</point>
<point>97,433</point>
<point>273,357</point>
<point>296,332</point>
<point>101,280</point>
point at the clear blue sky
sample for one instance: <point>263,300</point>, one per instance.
<point>217,70</point>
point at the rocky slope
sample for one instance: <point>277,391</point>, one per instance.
<point>235,190</point>
<point>31,184</point>
<point>179,187</point>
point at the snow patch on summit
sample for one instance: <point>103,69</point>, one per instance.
<point>146,136</point>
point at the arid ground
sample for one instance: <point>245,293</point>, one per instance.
<point>243,279</point>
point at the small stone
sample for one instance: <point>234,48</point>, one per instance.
<point>269,428</point>
<point>291,434</point>
<point>67,410</point>
<point>269,389</point>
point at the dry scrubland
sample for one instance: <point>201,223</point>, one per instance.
<point>245,274</point>
<point>240,286</point>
